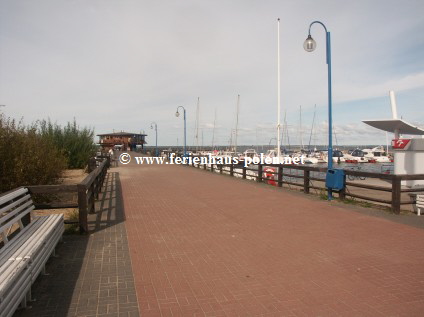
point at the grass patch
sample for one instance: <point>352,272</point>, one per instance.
<point>74,227</point>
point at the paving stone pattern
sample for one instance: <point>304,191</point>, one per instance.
<point>204,244</point>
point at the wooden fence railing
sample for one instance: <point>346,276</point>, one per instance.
<point>306,178</point>
<point>87,190</point>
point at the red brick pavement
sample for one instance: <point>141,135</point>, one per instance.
<point>204,244</point>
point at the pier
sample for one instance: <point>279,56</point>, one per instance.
<point>168,240</point>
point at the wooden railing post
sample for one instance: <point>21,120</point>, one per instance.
<point>212,167</point>
<point>231,169</point>
<point>342,192</point>
<point>280,176</point>
<point>82,206</point>
<point>306,175</point>
<point>244,172</point>
<point>396,191</point>
<point>91,164</point>
<point>220,169</point>
<point>260,171</point>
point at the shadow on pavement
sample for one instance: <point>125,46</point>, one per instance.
<point>91,274</point>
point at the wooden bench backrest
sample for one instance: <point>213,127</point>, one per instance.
<point>13,207</point>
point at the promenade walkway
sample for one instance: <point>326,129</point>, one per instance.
<point>203,244</point>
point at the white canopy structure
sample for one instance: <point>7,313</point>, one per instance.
<point>393,125</point>
<point>407,160</point>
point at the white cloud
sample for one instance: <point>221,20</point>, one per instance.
<point>123,64</point>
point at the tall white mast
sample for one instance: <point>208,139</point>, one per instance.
<point>238,106</point>
<point>278,88</point>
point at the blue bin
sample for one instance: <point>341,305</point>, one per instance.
<point>335,179</point>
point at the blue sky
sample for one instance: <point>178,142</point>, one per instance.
<point>123,64</point>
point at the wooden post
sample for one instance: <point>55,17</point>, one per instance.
<point>259,179</point>
<point>212,167</point>
<point>342,193</point>
<point>220,169</point>
<point>91,164</point>
<point>82,206</point>
<point>244,172</point>
<point>396,191</point>
<point>231,169</point>
<point>280,176</point>
<point>306,175</point>
<point>92,199</point>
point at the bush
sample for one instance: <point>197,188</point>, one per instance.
<point>75,143</point>
<point>27,158</point>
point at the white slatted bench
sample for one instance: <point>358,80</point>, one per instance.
<point>420,203</point>
<point>418,198</point>
<point>26,250</point>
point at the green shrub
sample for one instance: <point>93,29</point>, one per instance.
<point>75,143</point>
<point>26,158</point>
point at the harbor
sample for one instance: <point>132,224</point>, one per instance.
<point>211,158</point>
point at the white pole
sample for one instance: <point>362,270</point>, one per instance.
<point>278,89</point>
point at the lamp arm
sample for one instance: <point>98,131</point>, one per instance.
<point>328,54</point>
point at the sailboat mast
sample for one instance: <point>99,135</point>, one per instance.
<point>278,88</point>
<point>213,131</point>
<point>237,117</point>
<point>197,124</point>
<point>312,127</point>
<point>287,129</point>
<point>300,128</point>
<point>284,128</point>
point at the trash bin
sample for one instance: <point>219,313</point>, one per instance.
<point>335,179</point>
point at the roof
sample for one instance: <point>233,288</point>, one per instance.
<point>390,125</point>
<point>121,134</point>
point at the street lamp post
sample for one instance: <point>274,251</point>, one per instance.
<point>177,114</point>
<point>156,130</point>
<point>310,46</point>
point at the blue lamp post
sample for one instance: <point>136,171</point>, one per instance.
<point>177,114</point>
<point>310,46</point>
<point>156,130</point>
